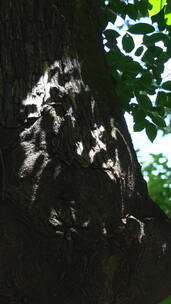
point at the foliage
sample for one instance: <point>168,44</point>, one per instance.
<point>157,5</point>
<point>158,174</point>
<point>166,301</point>
<point>140,78</point>
<point>167,130</point>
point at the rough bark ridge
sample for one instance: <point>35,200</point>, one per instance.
<point>76,222</point>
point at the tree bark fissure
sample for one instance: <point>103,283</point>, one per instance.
<point>76,222</point>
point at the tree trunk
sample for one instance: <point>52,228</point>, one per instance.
<point>76,222</point>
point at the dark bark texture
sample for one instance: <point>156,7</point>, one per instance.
<point>76,223</point>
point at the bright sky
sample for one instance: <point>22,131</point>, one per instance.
<point>162,144</point>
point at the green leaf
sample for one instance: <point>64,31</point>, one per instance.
<point>168,48</point>
<point>160,122</point>
<point>156,6</point>
<point>143,7</point>
<point>167,85</point>
<point>139,115</point>
<point>161,98</point>
<point>150,40</point>
<point>132,67</point>
<point>151,131</point>
<point>113,56</point>
<point>141,28</point>
<point>144,101</point>
<point>159,18</point>
<point>148,57</point>
<point>118,7</point>
<point>147,77</point>
<point>128,43</point>
<point>159,109</point>
<point>111,34</point>
<point>107,15</point>
<point>139,126</point>
<point>123,91</point>
<point>116,74</point>
<point>132,11</point>
<point>139,51</point>
<point>163,57</point>
<point>157,69</point>
<point>111,37</point>
<point>168,13</point>
<point>155,50</point>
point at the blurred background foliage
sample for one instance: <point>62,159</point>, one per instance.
<point>158,176</point>
<point>166,301</point>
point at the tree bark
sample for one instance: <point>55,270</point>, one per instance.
<point>76,222</point>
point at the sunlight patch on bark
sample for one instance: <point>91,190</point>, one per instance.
<point>164,247</point>
<point>30,155</point>
<point>113,132</point>
<point>28,164</point>
<point>71,115</point>
<point>80,148</point>
<point>134,226</point>
<point>86,223</point>
<point>92,105</point>
<point>53,218</point>
<point>58,170</point>
<point>37,179</point>
<point>110,167</point>
<point>113,169</point>
<point>53,78</point>
<point>36,97</point>
<point>97,134</point>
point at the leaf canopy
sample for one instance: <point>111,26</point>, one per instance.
<point>137,79</point>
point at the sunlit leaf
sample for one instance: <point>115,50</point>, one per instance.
<point>159,18</point>
<point>156,6</point>
<point>167,13</point>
